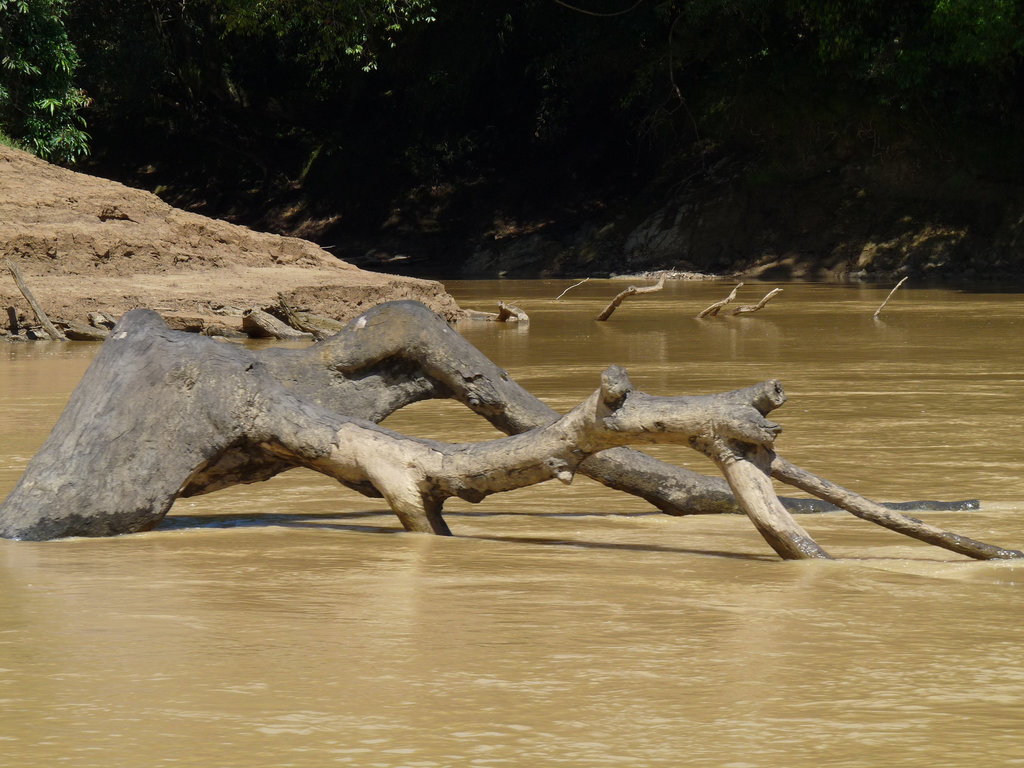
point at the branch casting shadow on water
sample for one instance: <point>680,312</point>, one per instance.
<point>332,522</point>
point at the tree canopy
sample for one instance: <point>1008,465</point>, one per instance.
<point>357,102</point>
<point>450,76</point>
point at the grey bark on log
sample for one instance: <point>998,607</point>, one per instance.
<point>99,473</point>
<point>200,396</point>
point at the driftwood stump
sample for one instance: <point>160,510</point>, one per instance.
<point>162,414</point>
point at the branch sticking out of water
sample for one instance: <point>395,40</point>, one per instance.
<point>631,291</point>
<point>879,310</point>
<point>38,310</point>
<point>868,510</point>
<point>715,308</point>
<point>574,285</point>
<point>747,308</point>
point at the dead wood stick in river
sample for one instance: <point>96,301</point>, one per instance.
<point>101,473</point>
<point>574,285</point>
<point>228,415</point>
<point>715,308</point>
<point>744,467</point>
<point>882,306</point>
<point>887,518</point>
<point>631,291</point>
<point>507,312</point>
<point>38,310</point>
<point>747,308</point>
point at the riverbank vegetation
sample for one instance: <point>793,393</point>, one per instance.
<point>794,139</point>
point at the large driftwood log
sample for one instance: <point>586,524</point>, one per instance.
<point>103,471</point>
<point>227,415</point>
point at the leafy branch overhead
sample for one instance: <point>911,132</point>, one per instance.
<point>40,105</point>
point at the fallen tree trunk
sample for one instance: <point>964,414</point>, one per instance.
<point>214,405</point>
<point>99,473</point>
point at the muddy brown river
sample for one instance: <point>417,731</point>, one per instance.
<point>292,623</point>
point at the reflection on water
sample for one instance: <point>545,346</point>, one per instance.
<point>291,623</point>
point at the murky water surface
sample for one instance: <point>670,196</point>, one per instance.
<point>291,623</point>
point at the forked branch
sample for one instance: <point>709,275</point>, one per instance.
<point>630,291</point>
<point>748,308</point>
<point>714,309</point>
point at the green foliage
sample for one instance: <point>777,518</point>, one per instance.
<point>328,31</point>
<point>987,33</point>
<point>373,96</point>
<point>39,103</point>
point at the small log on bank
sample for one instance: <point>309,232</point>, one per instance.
<point>80,332</point>
<point>307,322</point>
<point>630,291</point>
<point>102,320</point>
<point>262,325</point>
<point>44,321</point>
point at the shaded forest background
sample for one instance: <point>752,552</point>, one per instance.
<point>824,140</point>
